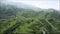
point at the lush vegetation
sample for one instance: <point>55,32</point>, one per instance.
<point>26,21</point>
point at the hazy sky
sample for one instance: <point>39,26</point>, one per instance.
<point>45,4</point>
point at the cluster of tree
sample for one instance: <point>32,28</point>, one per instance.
<point>26,21</point>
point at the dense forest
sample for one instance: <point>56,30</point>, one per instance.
<point>14,20</point>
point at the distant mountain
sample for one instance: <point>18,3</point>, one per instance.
<point>22,5</point>
<point>25,6</point>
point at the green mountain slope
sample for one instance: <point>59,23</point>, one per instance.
<point>31,21</point>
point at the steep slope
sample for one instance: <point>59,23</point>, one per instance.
<point>11,29</point>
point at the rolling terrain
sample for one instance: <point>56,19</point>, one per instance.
<point>26,19</point>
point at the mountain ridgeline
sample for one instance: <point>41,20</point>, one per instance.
<point>31,20</point>
<point>11,10</point>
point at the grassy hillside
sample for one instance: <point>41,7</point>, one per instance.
<point>15,20</point>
